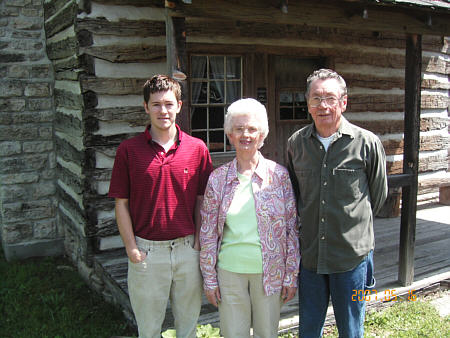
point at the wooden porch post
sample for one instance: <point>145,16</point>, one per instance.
<point>413,71</point>
<point>177,61</point>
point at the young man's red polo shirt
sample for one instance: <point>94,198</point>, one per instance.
<point>161,187</point>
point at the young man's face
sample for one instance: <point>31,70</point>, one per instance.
<point>162,107</point>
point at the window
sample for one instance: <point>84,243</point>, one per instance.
<point>293,105</point>
<point>216,82</point>
<point>290,82</point>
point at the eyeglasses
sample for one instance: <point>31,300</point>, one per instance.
<point>330,101</point>
<point>240,130</point>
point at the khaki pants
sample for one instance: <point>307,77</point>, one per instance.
<point>244,304</point>
<point>170,271</point>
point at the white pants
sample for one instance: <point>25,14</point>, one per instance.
<point>170,271</point>
<point>245,305</point>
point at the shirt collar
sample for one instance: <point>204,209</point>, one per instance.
<point>148,136</point>
<point>260,171</point>
<point>345,128</point>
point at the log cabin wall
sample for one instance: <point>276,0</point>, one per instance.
<point>103,51</point>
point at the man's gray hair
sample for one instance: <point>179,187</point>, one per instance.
<point>324,74</point>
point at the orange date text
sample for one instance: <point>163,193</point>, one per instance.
<point>385,295</point>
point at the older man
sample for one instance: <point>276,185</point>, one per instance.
<point>339,175</point>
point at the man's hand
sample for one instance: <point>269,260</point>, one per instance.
<point>213,296</point>
<point>136,256</point>
<point>287,293</point>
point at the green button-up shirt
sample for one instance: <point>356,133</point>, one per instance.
<point>338,193</point>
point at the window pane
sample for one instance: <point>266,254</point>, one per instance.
<point>216,67</point>
<point>233,68</point>
<point>199,118</point>
<point>216,92</point>
<point>199,92</point>
<point>286,113</point>
<point>301,113</point>
<point>285,99</point>
<point>216,117</point>
<point>199,67</point>
<point>201,135</point>
<point>233,91</point>
<point>300,98</point>
<point>216,141</point>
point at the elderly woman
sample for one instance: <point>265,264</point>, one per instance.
<point>249,236</point>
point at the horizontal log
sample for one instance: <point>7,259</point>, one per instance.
<point>432,123</point>
<point>427,143</point>
<point>320,13</point>
<point>112,86</point>
<point>128,53</point>
<point>134,115</point>
<point>113,140</point>
<point>399,180</point>
<point>83,63</point>
<point>375,102</point>
<point>69,125</point>
<point>142,28</point>
<point>393,147</point>
<point>434,142</point>
<point>68,100</point>
<point>67,152</point>
<point>435,64</point>
<point>53,6</point>
<point>434,102</point>
<point>381,127</point>
<point>204,27</point>
<point>63,48</point>
<point>384,60</point>
<point>137,3</point>
<point>64,18</point>
<point>432,184</point>
<point>375,81</point>
<point>434,84</point>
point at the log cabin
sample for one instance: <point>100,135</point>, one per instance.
<point>394,55</point>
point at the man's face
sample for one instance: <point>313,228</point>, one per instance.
<point>162,107</point>
<point>327,114</point>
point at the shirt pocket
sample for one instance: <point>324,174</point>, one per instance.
<point>307,183</point>
<point>349,183</point>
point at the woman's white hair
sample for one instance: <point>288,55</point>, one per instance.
<point>247,107</point>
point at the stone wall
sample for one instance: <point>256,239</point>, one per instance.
<point>28,201</point>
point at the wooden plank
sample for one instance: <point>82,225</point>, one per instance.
<point>333,14</point>
<point>411,157</point>
<point>177,63</point>
<point>128,53</point>
<point>143,28</point>
<point>137,3</point>
<point>64,18</point>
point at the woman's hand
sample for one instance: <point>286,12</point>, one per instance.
<point>136,256</point>
<point>213,296</point>
<point>287,293</point>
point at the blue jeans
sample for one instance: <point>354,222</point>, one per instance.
<point>344,288</point>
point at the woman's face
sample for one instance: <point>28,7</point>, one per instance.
<point>245,134</point>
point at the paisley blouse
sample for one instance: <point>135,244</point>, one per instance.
<point>276,217</point>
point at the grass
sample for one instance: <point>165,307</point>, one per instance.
<point>402,319</point>
<point>46,297</point>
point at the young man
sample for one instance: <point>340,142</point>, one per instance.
<point>158,181</point>
<point>338,171</point>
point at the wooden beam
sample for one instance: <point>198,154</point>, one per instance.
<point>411,158</point>
<point>334,14</point>
<point>177,61</point>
